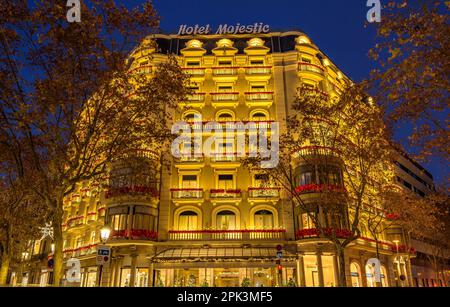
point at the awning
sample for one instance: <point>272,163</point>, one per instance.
<point>221,253</point>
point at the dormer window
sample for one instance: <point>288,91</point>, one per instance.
<point>225,63</point>
<point>257,62</point>
<point>193,64</point>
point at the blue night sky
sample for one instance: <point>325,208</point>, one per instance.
<point>336,27</point>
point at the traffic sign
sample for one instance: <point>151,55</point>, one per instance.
<point>279,248</point>
<point>103,254</point>
<point>279,255</point>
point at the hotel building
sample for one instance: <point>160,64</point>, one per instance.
<point>210,221</point>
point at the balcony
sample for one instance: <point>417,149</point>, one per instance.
<point>75,221</point>
<point>225,99</point>
<point>195,72</point>
<point>259,99</point>
<point>196,100</point>
<point>263,194</point>
<point>180,194</point>
<point>313,71</point>
<point>225,71</point>
<point>225,194</point>
<point>310,233</point>
<point>258,70</point>
<point>142,70</point>
<point>319,188</point>
<point>91,217</point>
<point>228,235</point>
<point>131,192</point>
<point>224,157</point>
<point>134,235</point>
<point>315,151</point>
<point>258,73</point>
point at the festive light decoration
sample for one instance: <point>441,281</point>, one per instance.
<point>317,188</point>
<point>314,232</point>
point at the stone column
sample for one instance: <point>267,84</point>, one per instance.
<point>320,269</point>
<point>301,280</point>
<point>336,269</point>
<point>133,270</point>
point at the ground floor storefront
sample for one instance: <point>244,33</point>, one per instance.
<point>308,265</point>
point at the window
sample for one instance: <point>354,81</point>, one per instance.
<point>193,63</point>
<point>258,88</point>
<point>188,221</point>
<point>307,220</point>
<point>307,175</point>
<point>225,117</point>
<point>119,222</point>
<point>330,175</point>
<point>191,117</point>
<point>225,88</point>
<point>143,221</point>
<point>306,60</point>
<point>189,182</point>
<point>262,180</point>
<point>264,220</point>
<point>355,273</point>
<point>257,62</point>
<point>225,63</point>
<point>226,182</point>
<point>226,220</point>
<point>259,116</point>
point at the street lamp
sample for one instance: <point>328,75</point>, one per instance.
<point>53,248</point>
<point>104,234</point>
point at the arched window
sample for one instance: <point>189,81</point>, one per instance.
<point>192,117</point>
<point>264,220</point>
<point>259,115</point>
<point>370,276</point>
<point>355,272</point>
<point>225,116</point>
<point>226,220</point>
<point>188,220</point>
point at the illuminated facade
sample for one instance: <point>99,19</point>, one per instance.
<point>209,221</point>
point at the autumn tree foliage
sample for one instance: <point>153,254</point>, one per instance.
<point>334,161</point>
<point>68,96</point>
<point>413,79</point>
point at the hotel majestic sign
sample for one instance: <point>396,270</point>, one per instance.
<point>256,28</point>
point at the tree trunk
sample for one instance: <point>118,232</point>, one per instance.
<point>341,256</point>
<point>58,241</point>
<point>6,259</point>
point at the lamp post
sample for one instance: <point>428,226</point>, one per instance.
<point>104,236</point>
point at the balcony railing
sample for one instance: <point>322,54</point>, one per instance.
<point>197,97</point>
<point>190,159</point>
<point>187,193</point>
<point>224,157</point>
<point>80,251</point>
<point>132,191</point>
<point>319,188</point>
<point>316,151</point>
<point>194,71</point>
<point>213,235</point>
<point>134,234</point>
<point>225,71</point>
<point>259,96</point>
<point>264,192</point>
<point>308,67</point>
<point>258,70</point>
<point>225,96</point>
<point>217,193</point>
<point>146,69</point>
<point>330,232</point>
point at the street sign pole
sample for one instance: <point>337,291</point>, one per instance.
<point>103,258</point>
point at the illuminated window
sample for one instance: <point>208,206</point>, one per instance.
<point>226,182</point>
<point>262,180</point>
<point>264,220</point>
<point>188,221</point>
<point>355,272</point>
<point>307,220</point>
<point>226,220</point>
<point>189,182</point>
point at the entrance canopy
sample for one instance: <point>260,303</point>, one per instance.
<point>208,254</point>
